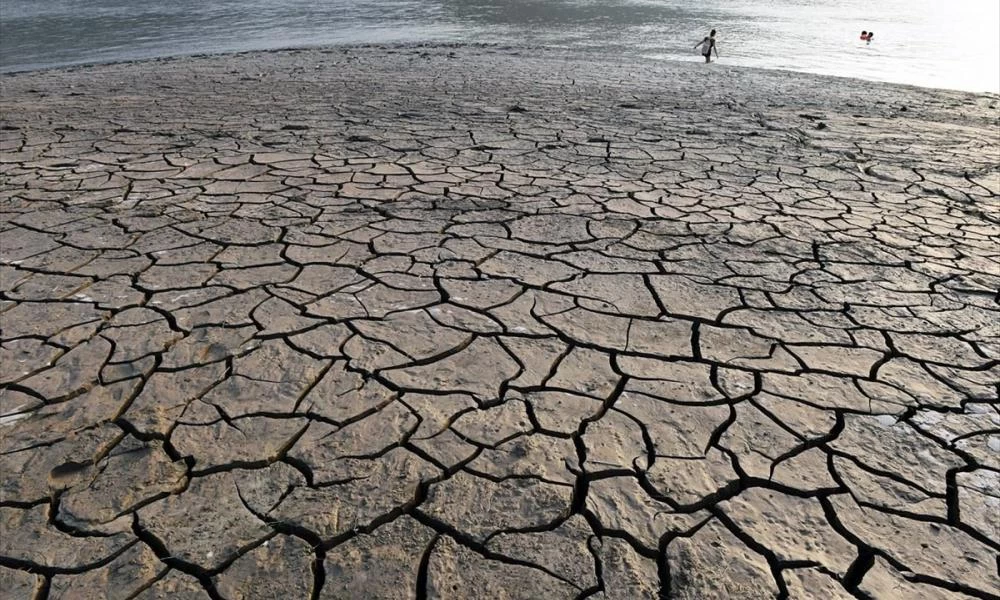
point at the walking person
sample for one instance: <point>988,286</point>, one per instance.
<point>707,45</point>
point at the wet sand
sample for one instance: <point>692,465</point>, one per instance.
<point>459,322</point>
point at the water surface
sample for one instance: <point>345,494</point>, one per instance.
<point>931,43</point>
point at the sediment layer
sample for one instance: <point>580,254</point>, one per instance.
<point>472,322</point>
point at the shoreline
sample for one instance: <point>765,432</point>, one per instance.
<point>582,55</point>
<point>747,86</point>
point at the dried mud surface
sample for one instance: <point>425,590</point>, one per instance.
<point>445,322</point>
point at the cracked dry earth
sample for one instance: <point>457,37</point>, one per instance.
<point>468,323</point>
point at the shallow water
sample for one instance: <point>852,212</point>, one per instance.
<point>922,42</point>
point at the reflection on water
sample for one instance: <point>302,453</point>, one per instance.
<point>924,42</point>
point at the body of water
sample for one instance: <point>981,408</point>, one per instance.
<point>932,43</point>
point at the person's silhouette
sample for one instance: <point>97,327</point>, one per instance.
<point>707,45</point>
